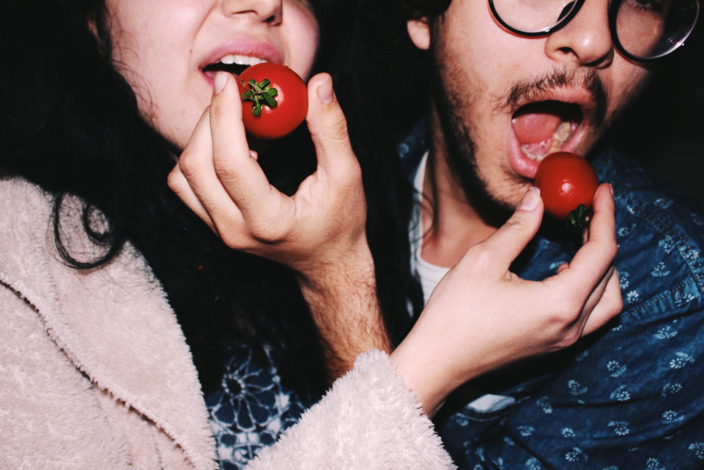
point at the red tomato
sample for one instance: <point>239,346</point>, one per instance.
<point>566,181</point>
<point>274,100</point>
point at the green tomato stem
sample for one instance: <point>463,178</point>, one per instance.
<point>579,218</point>
<point>261,94</point>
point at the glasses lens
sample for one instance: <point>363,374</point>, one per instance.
<point>532,16</point>
<point>649,29</point>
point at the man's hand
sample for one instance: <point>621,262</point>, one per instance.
<point>319,231</point>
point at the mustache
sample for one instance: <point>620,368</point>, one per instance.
<point>529,90</point>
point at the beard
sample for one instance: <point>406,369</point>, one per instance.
<point>453,105</point>
<point>460,153</point>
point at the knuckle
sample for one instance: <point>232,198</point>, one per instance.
<point>230,236</point>
<point>267,232</point>
<point>189,164</point>
<point>479,258</point>
<point>569,338</point>
<point>519,222</point>
<point>352,175</point>
<point>570,308</point>
<point>335,129</point>
<point>175,182</point>
<point>481,254</point>
<point>567,309</point>
<point>226,169</point>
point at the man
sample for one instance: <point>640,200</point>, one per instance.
<point>513,80</point>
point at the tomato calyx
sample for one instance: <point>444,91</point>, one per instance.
<point>579,219</point>
<point>261,94</point>
<point>274,100</point>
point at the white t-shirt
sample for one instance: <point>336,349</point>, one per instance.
<point>428,273</point>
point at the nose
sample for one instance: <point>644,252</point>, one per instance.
<point>269,11</point>
<point>586,39</point>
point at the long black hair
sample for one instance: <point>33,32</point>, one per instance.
<point>70,123</point>
<point>380,80</point>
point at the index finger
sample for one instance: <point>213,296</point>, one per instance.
<point>594,259</point>
<point>236,168</point>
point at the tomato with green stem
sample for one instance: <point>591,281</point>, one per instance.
<point>274,100</point>
<point>567,184</point>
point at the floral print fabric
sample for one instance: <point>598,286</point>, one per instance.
<point>252,408</point>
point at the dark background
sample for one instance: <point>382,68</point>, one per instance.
<point>665,128</point>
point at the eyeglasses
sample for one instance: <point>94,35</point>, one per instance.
<point>643,30</point>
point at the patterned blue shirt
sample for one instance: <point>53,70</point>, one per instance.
<point>630,396</point>
<point>252,408</point>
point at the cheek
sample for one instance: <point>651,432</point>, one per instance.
<point>303,39</point>
<point>152,53</point>
<point>625,84</point>
<point>140,57</point>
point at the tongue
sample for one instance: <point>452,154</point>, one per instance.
<point>531,128</point>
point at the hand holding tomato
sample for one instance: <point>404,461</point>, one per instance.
<point>274,100</point>
<point>567,184</point>
<point>220,179</point>
<point>320,231</point>
<point>464,333</point>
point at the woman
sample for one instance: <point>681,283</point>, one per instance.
<point>121,309</point>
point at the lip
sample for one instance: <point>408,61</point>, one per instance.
<point>246,47</point>
<point>527,167</point>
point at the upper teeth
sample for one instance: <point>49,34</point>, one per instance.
<point>241,60</point>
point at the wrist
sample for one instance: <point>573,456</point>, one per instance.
<point>341,294</point>
<point>422,376</point>
<point>337,271</point>
<point>430,367</point>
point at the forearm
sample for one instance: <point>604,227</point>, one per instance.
<point>343,302</point>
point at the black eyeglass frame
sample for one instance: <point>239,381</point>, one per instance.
<point>613,12</point>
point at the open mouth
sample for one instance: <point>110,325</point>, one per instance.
<point>543,127</point>
<point>234,64</point>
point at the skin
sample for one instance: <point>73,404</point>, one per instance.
<point>320,233</point>
<point>161,46</point>
<point>457,331</point>
<point>480,65</point>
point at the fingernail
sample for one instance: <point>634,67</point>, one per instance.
<point>611,188</point>
<point>530,200</point>
<point>219,83</point>
<point>325,91</point>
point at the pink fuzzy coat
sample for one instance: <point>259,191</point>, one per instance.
<point>95,372</point>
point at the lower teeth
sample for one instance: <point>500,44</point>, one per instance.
<point>538,152</point>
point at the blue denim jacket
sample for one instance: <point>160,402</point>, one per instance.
<point>630,396</point>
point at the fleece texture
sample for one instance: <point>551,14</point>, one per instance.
<point>378,425</point>
<point>95,372</point>
<point>94,368</point>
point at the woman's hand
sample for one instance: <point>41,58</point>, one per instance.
<point>482,317</point>
<point>319,231</point>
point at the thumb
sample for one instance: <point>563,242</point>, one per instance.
<point>512,237</point>
<point>328,127</point>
